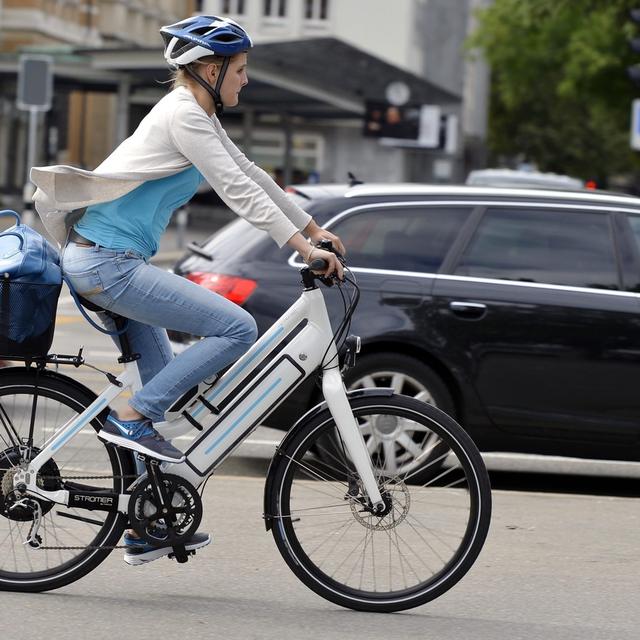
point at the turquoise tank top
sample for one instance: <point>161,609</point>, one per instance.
<point>138,219</point>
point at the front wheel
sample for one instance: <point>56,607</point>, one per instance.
<point>427,538</point>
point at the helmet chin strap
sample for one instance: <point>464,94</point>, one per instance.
<point>213,92</point>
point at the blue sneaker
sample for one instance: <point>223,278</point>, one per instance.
<point>140,552</point>
<point>140,436</point>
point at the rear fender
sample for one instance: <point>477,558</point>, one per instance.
<point>32,372</point>
<point>311,415</point>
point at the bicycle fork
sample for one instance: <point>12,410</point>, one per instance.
<point>336,397</point>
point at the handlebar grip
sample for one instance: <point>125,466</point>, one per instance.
<point>319,264</point>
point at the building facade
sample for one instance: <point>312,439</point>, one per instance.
<point>87,23</point>
<point>80,128</point>
<point>424,37</point>
<point>316,65</point>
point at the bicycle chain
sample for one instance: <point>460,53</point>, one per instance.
<point>88,477</point>
<point>89,546</point>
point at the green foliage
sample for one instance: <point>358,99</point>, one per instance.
<point>560,93</point>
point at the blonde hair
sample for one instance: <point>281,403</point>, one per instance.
<point>180,77</point>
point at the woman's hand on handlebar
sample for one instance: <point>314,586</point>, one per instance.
<point>334,265</point>
<point>310,253</point>
<point>322,234</point>
<point>316,234</point>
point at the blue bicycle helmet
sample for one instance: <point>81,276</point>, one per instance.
<point>200,36</point>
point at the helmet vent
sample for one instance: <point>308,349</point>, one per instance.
<point>201,31</point>
<point>181,47</point>
<point>227,37</point>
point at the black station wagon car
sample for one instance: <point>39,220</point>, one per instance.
<point>517,311</point>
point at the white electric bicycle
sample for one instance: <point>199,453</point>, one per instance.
<point>356,534</point>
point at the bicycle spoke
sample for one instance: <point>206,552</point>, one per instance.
<point>14,438</point>
<point>324,506</point>
<point>326,538</point>
<point>312,473</point>
<point>412,447</point>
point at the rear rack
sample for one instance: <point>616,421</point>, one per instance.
<point>50,358</point>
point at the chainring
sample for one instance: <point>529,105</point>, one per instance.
<point>48,479</point>
<point>157,527</point>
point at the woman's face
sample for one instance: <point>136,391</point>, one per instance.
<point>234,80</point>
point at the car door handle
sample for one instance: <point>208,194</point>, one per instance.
<point>468,309</point>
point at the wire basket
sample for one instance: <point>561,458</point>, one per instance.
<point>27,318</point>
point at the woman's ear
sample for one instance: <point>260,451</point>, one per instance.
<point>212,72</point>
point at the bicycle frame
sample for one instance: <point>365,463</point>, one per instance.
<point>293,348</point>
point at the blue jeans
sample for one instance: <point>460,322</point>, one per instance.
<point>155,300</point>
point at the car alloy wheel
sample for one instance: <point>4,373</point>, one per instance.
<point>401,445</point>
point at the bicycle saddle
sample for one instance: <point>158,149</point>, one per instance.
<point>92,306</point>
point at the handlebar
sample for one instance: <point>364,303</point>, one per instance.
<point>320,264</point>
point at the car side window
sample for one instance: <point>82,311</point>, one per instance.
<point>634,222</point>
<point>400,239</point>
<point>572,248</point>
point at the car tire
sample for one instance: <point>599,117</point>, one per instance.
<point>413,378</point>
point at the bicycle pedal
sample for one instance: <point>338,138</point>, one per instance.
<point>182,555</point>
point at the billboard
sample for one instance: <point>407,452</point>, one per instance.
<point>406,125</point>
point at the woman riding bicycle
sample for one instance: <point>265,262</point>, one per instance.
<point>130,198</point>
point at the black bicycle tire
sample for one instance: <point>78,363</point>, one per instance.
<point>345,596</point>
<point>115,522</point>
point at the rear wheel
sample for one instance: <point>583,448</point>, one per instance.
<point>428,537</point>
<point>73,541</point>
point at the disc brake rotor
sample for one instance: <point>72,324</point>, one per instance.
<point>397,501</point>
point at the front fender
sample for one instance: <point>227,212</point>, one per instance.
<point>307,417</point>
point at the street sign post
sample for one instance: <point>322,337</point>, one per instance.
<point>35,89</point>
<point>35,83</point>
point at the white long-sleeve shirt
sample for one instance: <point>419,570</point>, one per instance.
<point>175,134</point>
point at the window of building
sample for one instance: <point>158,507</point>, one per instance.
<point>316,9</point>
<point>268,152</point>
<point>275,8</point>
<point>572,248</point>
<point>233,7</point>
<point>398,239</point>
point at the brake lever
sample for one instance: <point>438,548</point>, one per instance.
<point>327,245</point>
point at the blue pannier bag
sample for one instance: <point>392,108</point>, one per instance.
<point>30,283</point>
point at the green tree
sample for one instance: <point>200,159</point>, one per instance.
<point>560,94</point>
